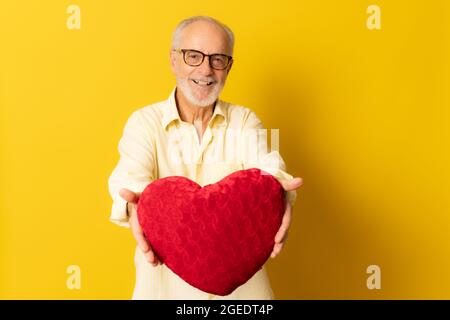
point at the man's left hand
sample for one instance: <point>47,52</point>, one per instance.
<point>282,234</point>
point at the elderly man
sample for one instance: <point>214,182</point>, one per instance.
<point>183,136</point>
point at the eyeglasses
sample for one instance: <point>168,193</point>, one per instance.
<point>195,58</point>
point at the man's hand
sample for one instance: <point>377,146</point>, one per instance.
<point>132,199</point>
<point>282,234</point>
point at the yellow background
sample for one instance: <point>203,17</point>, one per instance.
<point>363,118</point>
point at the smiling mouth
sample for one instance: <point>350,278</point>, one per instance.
<point>202,83</point>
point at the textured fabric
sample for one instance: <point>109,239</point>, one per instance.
<point>161,283</point>
<point>156,143</point>
<point>216,237</point>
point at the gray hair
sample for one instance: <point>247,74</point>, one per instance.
<point>176,38</point>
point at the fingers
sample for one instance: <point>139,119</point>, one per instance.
<point>143,245</point>
<point>151,258</point>
<point>276,250</point>
<point>129,195</point>
<point>289,185</point>
<point>146,249</point>
<point>136,229</point>
<point>285,223</point>
<point>278,246</point>
<point>282,234</point>
<point>141,241</point>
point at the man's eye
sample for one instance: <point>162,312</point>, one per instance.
<point>194,56</point>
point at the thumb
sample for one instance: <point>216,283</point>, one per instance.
<point>129,195</point>
<point>289,185</point>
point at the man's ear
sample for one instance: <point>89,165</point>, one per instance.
<point>173,60</point>
<point>229,67</point>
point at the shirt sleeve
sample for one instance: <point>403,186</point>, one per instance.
<point>256,154</point>
<point>135,169</point>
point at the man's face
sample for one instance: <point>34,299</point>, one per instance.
<point>201,85</point>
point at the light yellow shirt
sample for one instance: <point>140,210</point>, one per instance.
<point>156,143</point>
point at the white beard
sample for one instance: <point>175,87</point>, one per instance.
<point>183,85</point>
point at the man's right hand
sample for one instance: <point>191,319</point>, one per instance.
<point>132,199</point>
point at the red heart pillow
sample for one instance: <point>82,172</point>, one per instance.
<point>216,237</point>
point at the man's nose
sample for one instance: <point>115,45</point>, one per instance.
<point>205,67</point>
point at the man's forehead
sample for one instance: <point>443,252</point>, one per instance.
<point>204,36</point>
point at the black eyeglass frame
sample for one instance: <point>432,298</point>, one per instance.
<point>183,51</point>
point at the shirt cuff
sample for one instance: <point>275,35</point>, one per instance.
<point>291,196</point>
<point>119,213</point>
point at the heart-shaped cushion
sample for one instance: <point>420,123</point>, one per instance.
<point>214,237</point>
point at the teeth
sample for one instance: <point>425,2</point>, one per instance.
<point>201,82</point>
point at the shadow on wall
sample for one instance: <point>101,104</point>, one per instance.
<point>326,255</point>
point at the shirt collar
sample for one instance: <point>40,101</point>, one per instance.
<point>170,111</point>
